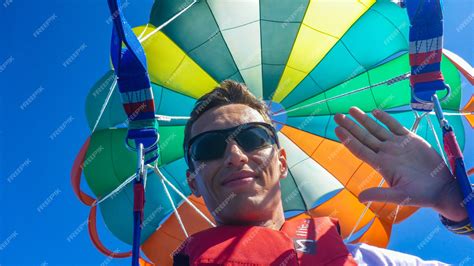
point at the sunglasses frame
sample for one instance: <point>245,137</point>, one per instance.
<point>238,128</point>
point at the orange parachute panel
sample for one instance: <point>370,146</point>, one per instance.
<point>355,175</point>
<point>162,244</point>
<point>345,207</point>
<point>378,234</point>
<point>327,153</point>
<point>469,108</point>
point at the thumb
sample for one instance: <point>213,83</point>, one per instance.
<point>383,195</point>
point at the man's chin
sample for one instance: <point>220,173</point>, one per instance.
<point>244,211</point>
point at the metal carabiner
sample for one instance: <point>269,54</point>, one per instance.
<point>446,86</point>
<point>147,149</point>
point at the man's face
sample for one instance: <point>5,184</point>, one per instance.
<point>255,194</point>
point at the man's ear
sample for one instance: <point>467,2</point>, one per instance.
<point>282,163</point>
<point>191,178</point>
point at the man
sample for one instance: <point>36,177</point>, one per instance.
<point>234,158</point>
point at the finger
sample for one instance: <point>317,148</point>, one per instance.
<point>355,146</point>
<point>392,124</point>
<point>371,125</point>
<point>361,134</point>
<point>383,195</point>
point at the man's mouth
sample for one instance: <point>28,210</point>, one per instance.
<point>239,178</point>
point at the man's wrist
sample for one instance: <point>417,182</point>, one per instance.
<point>450,202</point>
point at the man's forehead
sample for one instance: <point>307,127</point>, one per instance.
<point>225,116</point>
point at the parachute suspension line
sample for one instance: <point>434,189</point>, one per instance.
<point>168,118</point>
<point>167,22</point>
<point>116,190</point>
<point>382,181</point>
<point>387,82</point>
<point>102,110</point>
<point>175,210</point>
<point>158,172</point>
<point>396,213</point>
<point>437,140</point>
<point>418,118</point>
<point>454,114</point>
<point>143,31</point>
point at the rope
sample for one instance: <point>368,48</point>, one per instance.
<point>175,211</point>
<point>102,110</point>
<point>167,22</point>
<point>453,114</point>
<point>116,190</point>
<point>143,31</point>
<point>363,213</point>
<point>396,213</point>
<point>169,118</point>
<point>388,82</point>
<point>158,172</point>
<point>437,140</point>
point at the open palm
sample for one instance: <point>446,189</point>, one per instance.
<point>415,172</point>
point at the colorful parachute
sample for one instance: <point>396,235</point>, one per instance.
<point>309,60</point>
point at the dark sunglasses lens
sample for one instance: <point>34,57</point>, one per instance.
<point>254,138</point>
<point>208,147</point>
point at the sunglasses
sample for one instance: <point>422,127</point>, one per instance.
<point>211,145</point>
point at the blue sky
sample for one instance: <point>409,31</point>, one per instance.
<point>42,98</point>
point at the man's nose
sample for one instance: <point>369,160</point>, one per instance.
<point>234,155</point>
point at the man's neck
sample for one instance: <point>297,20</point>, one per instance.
<point>275,222</point>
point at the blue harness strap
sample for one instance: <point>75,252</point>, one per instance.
<point>133,82</point>
<point>425,48</point>
<point>130,67</point>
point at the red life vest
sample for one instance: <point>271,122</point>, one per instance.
<point>312,241</point>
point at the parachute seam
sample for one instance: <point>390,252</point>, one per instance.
<point>291,51</point>
<point>223,40</point>
<point>282,21</point>
<point>170,235</point>
<point>314,161</point>
<point>329,110</point>
<point>371,90</point>
<point>206,41</point>
<point>161,97</point>
<point>355,59</point>
<point>250,67</point>
<point>322,59</point>
<point>325,33</point>
<point>236,27</point>
<point>389,21</point>
<point>344,185</point>
<point>299,192</point>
